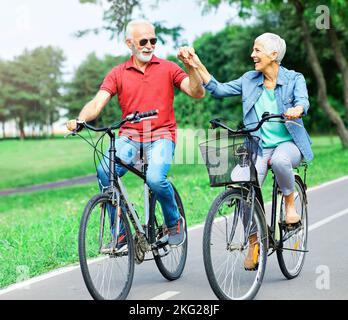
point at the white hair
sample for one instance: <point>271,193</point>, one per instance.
<point>133,23</point>
<point>272,42</point>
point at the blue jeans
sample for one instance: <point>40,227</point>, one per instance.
<point>159,158</point>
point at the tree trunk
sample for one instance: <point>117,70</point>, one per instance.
<point>341,62</point>
<point>21,128</point>
<point>331,113</point>
<point>3,130</point>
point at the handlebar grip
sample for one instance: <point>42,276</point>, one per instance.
<point>148,114</point>
<point>79,127</point>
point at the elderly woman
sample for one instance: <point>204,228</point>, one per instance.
<point>274,89</point>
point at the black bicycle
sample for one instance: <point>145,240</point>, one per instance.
<point>112,238</point>
<point>238,214</point>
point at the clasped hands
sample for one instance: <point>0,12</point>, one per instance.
<point>188,56</point>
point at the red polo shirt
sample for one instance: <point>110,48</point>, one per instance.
<point>138,91</point>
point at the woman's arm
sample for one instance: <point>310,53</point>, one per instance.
<point>301,102</point>
<point>219,90</point>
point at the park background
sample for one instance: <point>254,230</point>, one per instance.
<point>55,54</point>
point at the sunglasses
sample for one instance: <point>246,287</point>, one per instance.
<point>143,42</point>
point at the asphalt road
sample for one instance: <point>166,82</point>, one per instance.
<point>324,275</point>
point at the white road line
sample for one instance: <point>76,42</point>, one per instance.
<point>327,220</point>
<point>329,183</point>
<point>27,283</point>
<point>166,295</point>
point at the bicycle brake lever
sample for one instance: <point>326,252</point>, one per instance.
<point>293,122</point>
<point>142,119</point>
<point>70,134</point>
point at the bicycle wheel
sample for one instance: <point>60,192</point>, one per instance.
<point>169,260</point>
<point>226,244</point>
<point>290,261</point>
<point>108,274</point>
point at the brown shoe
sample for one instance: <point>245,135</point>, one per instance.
<point>251,261</point>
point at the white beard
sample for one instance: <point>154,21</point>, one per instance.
<point>140,56</point>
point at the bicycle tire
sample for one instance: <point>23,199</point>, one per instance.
<point>234,195</point>
<point>281,254</point>
<point>89,264</point>
<point>156,229</point>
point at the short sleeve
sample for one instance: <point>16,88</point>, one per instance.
<point>178,75</point>
<point>110,82</point>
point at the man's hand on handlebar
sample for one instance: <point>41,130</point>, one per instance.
<point>73,125</point>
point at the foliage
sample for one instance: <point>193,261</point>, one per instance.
<point>30,87</point>
<point>88,78</point>
<point>118,13</point>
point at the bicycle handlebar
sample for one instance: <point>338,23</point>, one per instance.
<point>133,117</point>
<point>215,123</point>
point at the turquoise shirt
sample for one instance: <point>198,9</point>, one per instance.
<point>272,133</point>
<point>290,91</point>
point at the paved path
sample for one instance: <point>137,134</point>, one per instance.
<point>51,185</point>
<point>328,220</point>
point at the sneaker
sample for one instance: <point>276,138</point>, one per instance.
<point>120,246</point>
<point>177,234</point>
<point>121,243</point>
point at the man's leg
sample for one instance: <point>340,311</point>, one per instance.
<point>160,156</point>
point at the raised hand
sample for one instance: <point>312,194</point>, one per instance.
<point>188,56</point>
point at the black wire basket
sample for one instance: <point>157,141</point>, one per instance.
<point>230,159</point>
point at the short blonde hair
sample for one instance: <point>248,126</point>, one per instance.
<point>272,42</point>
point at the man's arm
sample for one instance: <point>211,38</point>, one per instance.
<point>92,109</point>
<point>192,85</point>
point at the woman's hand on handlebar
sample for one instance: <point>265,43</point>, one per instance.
<point>294,113</point>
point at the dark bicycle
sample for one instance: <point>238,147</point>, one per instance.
<point>239,212</point>
<point>109,244</point>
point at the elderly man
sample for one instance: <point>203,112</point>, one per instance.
<point>274,89</point>
<point>142,83</point>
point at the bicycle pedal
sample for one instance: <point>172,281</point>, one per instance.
<point>292,226</point>
<point>162,242</point>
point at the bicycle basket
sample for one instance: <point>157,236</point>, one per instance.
<point>230,159</point>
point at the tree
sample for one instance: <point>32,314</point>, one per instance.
<point>118,13</point>
<point>85,84</point>
<point>30,87</point>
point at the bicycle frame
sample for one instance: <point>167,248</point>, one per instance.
<point>118,191</point>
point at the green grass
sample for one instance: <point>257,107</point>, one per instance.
<point>31,162</point>
<point>39,230</point>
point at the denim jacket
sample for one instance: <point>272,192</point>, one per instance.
<point>290,91</point>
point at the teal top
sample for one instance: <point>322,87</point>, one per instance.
<point>272,133</point>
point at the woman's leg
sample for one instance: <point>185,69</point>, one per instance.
<point>286,157</point>
<point>262,169</point>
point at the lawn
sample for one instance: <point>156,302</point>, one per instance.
<point>39,230</point>
<point>31,162</point>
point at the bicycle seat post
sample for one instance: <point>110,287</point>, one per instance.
<point>142,161</point>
